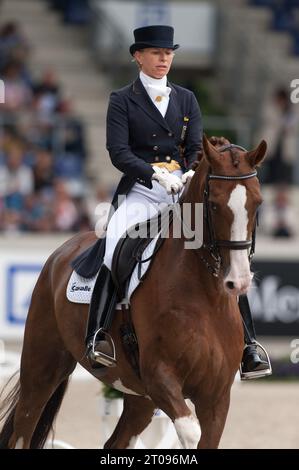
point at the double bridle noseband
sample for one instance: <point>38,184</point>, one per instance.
<point>212,245</point>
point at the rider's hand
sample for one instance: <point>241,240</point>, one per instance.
<point>170,182</point>
<point>187,176</point>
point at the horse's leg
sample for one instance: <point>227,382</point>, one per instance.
<point>212,421</point>
<point>45,368</point>
<point>136,415</point>
<point>166,391</point>
<point>42,390</point>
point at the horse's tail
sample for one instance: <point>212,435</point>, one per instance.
<point>45,423</point>
<point>7,412</point>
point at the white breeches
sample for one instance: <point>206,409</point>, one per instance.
<point>140,204</point>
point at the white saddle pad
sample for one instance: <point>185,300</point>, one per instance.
<point>79,289</point>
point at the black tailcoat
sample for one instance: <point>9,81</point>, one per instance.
<point>138,135</point>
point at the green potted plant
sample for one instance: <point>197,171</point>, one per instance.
<point>112,403</point>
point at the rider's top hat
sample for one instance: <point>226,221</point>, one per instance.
<point>153,36</point>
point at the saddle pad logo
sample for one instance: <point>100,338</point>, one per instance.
<point>75,287</point>
<point>79,290</point>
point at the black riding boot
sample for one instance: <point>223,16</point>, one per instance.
<point>100,346</point>
<point>252,365</point>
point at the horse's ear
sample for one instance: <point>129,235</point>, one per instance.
<point>210,151</point>
<point>255,157</point>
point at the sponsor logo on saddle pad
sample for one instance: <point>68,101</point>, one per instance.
<point>79,289</point>
<point>74,287</point>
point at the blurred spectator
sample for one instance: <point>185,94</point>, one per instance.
<point>15,177</point>
<point>69,149</point>
<point>39,131</point>
<point>8,137</point>
<point>65,211</point>
<point>282,209</point>
<point>13,45</point>
<point>17,91</point>
<point>16,182</point>
<point>279,129</point>
<point>46,94</point>
<point>43,173</point>
<point>11,220</point>
<point>277,214</point>
<point>38,214</point>
<point>69,131</point>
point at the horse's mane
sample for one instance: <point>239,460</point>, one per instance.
<point>201,166</point>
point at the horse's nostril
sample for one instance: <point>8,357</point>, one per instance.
<point>230,285</point>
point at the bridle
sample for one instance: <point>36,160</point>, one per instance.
<point>212,245</point>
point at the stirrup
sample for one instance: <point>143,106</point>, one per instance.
<point>100,357</point>
<point>258,373</point>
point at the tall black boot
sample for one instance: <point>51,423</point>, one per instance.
<point>252,365</point>
<point>100,345</point>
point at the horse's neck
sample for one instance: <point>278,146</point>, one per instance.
<point>191,259</point>
<point>194,197</point>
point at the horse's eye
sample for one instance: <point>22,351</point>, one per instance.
<point>213,206</point>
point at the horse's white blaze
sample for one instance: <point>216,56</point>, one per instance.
<point>132,442</point>
<point>119,386</point>
<point>239,272</point>
<point>188,431</point>
<point>19,443</point>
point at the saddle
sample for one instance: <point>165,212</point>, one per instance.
<point>129,249</point>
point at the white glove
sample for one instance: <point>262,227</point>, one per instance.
<point>187,175</point>
<point>171,183</point>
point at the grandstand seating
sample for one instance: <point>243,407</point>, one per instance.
<point>285,17</point>
<point>42,145</point>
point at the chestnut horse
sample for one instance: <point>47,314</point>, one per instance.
<point>190,334</point>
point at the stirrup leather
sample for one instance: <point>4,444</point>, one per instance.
<point>259,373</point>
<point>98,356</point>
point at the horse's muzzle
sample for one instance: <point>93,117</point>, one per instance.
<point>239,286</point>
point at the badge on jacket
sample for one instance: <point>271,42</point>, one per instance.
<point>184,129</point>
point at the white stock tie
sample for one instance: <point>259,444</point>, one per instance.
<point>160,96</point>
